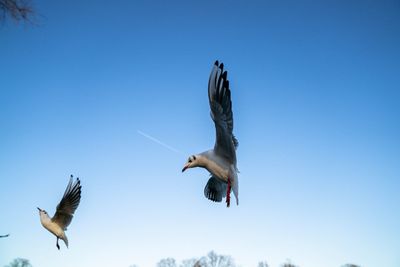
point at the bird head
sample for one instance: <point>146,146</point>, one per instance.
<point>193,161</point>
<point>42,212</point>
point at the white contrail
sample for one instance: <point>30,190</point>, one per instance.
<point>159,142</point>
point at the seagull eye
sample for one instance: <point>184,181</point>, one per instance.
<point>190,160</point>
<point>194,157</point>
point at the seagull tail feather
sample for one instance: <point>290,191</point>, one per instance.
<point>65,239</point>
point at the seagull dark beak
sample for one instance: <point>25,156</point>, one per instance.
<point>39,209</point>
<point>184,168</point>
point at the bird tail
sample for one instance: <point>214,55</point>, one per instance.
<point>235,188</point>
<point>65,239</point>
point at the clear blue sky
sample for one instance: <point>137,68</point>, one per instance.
<point>316,101</point>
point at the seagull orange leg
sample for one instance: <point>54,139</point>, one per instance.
<point>228,194</point>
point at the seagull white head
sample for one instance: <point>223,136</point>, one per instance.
<point>43,213</point>
<point>193,161</point>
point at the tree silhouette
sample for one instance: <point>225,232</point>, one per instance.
<point>215,260</point>
<point>263,264</point>
<point>190,263</point>
<point>19,262</point>
<point>212,259</point>
<point>19,10</point>
<point>288,263</point>
<point>168,262</point>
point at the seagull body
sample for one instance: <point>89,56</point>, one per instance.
<point>53,228</point>
<point>65,211</point>
<point>220,161</point>
<point>217,166</point>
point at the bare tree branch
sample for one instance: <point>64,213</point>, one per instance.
<point>18,10</point>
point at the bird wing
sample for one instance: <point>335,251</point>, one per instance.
<point>219,97</point>
<point>68,204</point>
<point>215,189</point>
<point>1,236</point>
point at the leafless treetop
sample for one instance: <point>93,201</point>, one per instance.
<point>19,10</point>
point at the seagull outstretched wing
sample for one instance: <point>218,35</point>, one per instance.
<point>68,204</point>
<point>219,97</point>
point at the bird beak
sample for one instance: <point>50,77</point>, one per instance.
<point>185,167</point>
<point>39,209</point>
